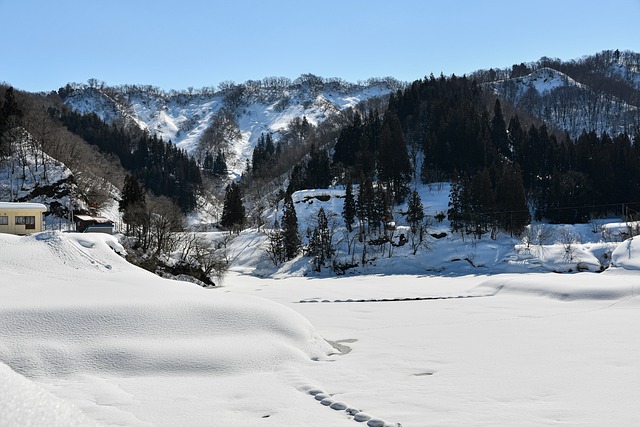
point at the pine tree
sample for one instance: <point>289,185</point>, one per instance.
<point>458,203</point>
<point>207,163</point>
<point>233,212</point>
<point>10,118</point>
<point>511,201</point>
<point>132,192</point>
<point>499,131</point>
<point>320,244</point>
<point>318,172</point>
<point>290,229</point>
<point>219,165</point>
<point>394,166</point>
<point>347,143</point>
<point>133,206</point>
<point>415,211</point>
<point>482,206</point>
<point>349,208</point>
<point>297,179</point>
<point>365,159</point>
<point>275,244</point>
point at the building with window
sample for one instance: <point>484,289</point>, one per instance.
<point>21,218</point>
<point>93,224</point>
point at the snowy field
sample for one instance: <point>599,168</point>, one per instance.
<point>87,338</point>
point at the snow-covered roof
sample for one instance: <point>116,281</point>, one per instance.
<point>96,219</point>
<point>14,206</point>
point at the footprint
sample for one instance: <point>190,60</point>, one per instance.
<point>339,406</point>
<point>327,401</point>
<point>358,416</point>
<point>352,411</point>
<point>362,417</point>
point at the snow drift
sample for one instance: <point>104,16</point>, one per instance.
<point>69,304</point>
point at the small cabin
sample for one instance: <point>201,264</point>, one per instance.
<point>21,218</point>
<point>93,224</point>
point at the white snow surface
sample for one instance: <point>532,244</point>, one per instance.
<point>469,333</point>
<point>78,318</point>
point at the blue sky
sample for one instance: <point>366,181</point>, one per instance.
<point>177,44</point>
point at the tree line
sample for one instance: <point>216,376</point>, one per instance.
<point>502,170</point>
<point>160,166</point>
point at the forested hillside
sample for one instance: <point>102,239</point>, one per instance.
<point>599,93</point>
<point>549,140</point>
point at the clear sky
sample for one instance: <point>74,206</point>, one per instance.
<point>45,44</point>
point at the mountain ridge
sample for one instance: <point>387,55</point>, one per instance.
<point>257,107</point>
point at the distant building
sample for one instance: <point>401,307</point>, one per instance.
<point>93,224</point>
<point>21,218</point>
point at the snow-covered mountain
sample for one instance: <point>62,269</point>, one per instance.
<point>599,93</point>
<point>257,106</point>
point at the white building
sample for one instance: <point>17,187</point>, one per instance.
<point>21,218</point>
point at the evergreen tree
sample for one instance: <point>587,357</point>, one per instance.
<point>207,163</point>
<point>349,208</point>
<point>132,193</point>
<point>365,159</point>
<point>133,206</point>
<point>482,204</point>
<point>318,172</point>
<point>263,157</point>
<point>381,213</point>
<point>321,245</point>
<point>499,131</point>
<point>10,107</point>
<point>290,229</point>
<point>275,244</point>
<point>348,140</point>
<point>10,118</point>
<point>415,211</point>
<point>516,137</point>
<point>297,179</point>
<point>219,165</point>
<point>233,212</point>
<point>365,199</point>
<point>511,201</point>
<point>458,210</point>
<point>394,166</point>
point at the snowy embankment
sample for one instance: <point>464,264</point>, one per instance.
<point>71,308</point>
<point>541,247</point>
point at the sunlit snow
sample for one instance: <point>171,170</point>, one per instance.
<point>412,340</point>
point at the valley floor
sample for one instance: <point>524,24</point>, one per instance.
<point>90,338</point>
<point>524,355</point>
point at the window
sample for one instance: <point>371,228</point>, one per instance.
<point>4,220</point>
<point>29,222</point>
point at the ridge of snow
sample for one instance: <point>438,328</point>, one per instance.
<point>543,80</point>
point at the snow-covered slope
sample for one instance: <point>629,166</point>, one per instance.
<point>541,248</point>
<point>627,72</point>
<point>543,80</point>
<point>32,175</point>
<point>262,106</point>
<point>73,310</point>
<point>571,105</point>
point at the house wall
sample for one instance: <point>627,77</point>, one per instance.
<point>12,228</point>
